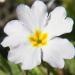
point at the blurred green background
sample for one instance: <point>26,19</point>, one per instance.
<point>7,13</point>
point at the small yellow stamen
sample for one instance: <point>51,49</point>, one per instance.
<point>38,39</point>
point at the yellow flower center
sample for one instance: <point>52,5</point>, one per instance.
<point>38,39</point>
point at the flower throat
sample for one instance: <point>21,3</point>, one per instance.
<point>38,39</point>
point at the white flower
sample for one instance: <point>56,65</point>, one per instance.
<point>34,36</point>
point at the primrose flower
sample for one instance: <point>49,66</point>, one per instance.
<point>35,36</point>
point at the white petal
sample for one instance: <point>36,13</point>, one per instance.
<point>16,28</point>
<point>24,14</point>
<point>44,21</point>
<point>10,41</point>
<point>31,17</point>
<point>61,47</point>
<point>26,55</point>
<point>69,24</point>
<point>39,9</point>
<point>59,25</point>
<point>16,34</point>
<point>58,13</point>
<point>13,41</point>
<point>55,61</point>
<point>58,49</point>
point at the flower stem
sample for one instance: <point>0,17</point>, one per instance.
<point>60,72</point>
<point>23,72</point>
<point>48,71</point>
<point>26,72</point>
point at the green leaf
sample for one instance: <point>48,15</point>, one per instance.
<point>4,66</point>
<point>24,1</point>
<point>9,68</point>
<point>70,67</point>
<point>37,71</point>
